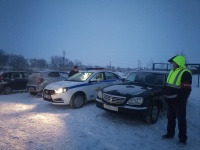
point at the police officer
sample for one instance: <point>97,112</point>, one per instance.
<point>178,88</point>
<point>74,71</point>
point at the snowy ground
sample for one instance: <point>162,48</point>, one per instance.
<point>29,123</point>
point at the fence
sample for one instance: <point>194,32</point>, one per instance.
<point>195,69</point>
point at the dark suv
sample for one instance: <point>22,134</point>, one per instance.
<point>11,81</point>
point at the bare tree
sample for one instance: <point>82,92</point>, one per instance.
<point>38,63</point>
<point>78,63</point>
<point>4,58</point>
<point>18,62</point>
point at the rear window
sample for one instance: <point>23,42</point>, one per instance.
<point>64,74</point>
<point>36,74</point>
<point>54,74</point>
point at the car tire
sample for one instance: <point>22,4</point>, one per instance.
<point>153,113</point>
<point>77,101</point>
<point>7,90</point>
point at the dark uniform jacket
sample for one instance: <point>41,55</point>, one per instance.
<point>72,73</point>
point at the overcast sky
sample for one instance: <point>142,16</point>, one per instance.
<point>98,32</point>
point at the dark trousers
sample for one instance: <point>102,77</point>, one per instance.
<point>177,109</point>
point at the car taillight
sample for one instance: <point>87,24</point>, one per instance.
<point>40,80</point>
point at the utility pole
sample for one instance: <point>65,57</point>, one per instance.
<point>63,58</point>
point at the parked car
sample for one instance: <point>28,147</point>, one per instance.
<point>13,81</point>
<point>142,92</point>
<point>38,80</point>
<point>79,88</point>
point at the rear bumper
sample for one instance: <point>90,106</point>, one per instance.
<point>35,89</point>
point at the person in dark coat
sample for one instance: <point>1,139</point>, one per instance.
<point>177,91</point>
<point>74,71</point>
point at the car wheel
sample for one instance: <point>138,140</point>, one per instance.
<point>153,113</point>
<point>33,93</point>
<point>77,100</point>
<point>7,90</point>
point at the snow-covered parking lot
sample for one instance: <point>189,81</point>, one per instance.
<point>29,123</point>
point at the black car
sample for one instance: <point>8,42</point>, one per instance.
<point>142,92</point>
<point>12,81</point>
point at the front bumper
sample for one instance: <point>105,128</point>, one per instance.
<point>121,109</point>
<point>57,99</point>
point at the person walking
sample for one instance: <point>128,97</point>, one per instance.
<point>74,71</point>
<point>177,91</point>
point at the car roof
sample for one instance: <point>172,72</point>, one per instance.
<point>96,71</point>
<point>11,71</point>
<point>49,71</point>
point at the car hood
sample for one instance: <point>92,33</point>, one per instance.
<point>127,89</point>
<point>62,84</point>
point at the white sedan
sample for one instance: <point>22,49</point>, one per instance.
<point>79,88</point>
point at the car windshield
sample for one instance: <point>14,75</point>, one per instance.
<point>80,77</point>
<point>146,78</point>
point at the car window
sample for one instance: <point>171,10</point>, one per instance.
<point>131,76</point>
<point>110,75</point>
<point>6,76</point>
<point>154,79</point>
<point>36,74</point>
<point>16,75</point>
<point>98,77</point>
<point>54,74</point>
<point>80,77</point>
<point>26,75</point>
<point>64,74</point>
<point>135,77</point>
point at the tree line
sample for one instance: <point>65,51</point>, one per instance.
<point>19,62</point>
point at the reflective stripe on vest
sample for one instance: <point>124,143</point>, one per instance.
<point>174,85</point>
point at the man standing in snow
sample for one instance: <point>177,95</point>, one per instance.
<point>178,88</point>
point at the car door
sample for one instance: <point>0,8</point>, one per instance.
<point>96,83</point>
<point>17,81</point>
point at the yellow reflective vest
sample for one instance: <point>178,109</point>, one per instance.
<point>174,77</point>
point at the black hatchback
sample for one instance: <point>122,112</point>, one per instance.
<point>13,81</point>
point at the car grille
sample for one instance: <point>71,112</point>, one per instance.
<point>114,99</point>
<point>49,92</point>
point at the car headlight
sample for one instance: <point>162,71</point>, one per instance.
<point>61,90</point>
<point>135,101</point>
<point>100,94</point>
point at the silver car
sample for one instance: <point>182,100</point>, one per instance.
<point>38,80</point>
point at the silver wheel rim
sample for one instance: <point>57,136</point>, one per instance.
<point>78,101</point>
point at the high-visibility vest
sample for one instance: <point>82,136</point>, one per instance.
<point>174,77</point>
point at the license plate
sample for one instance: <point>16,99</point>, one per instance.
<point>110,107</point>
<point>47,96</point>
